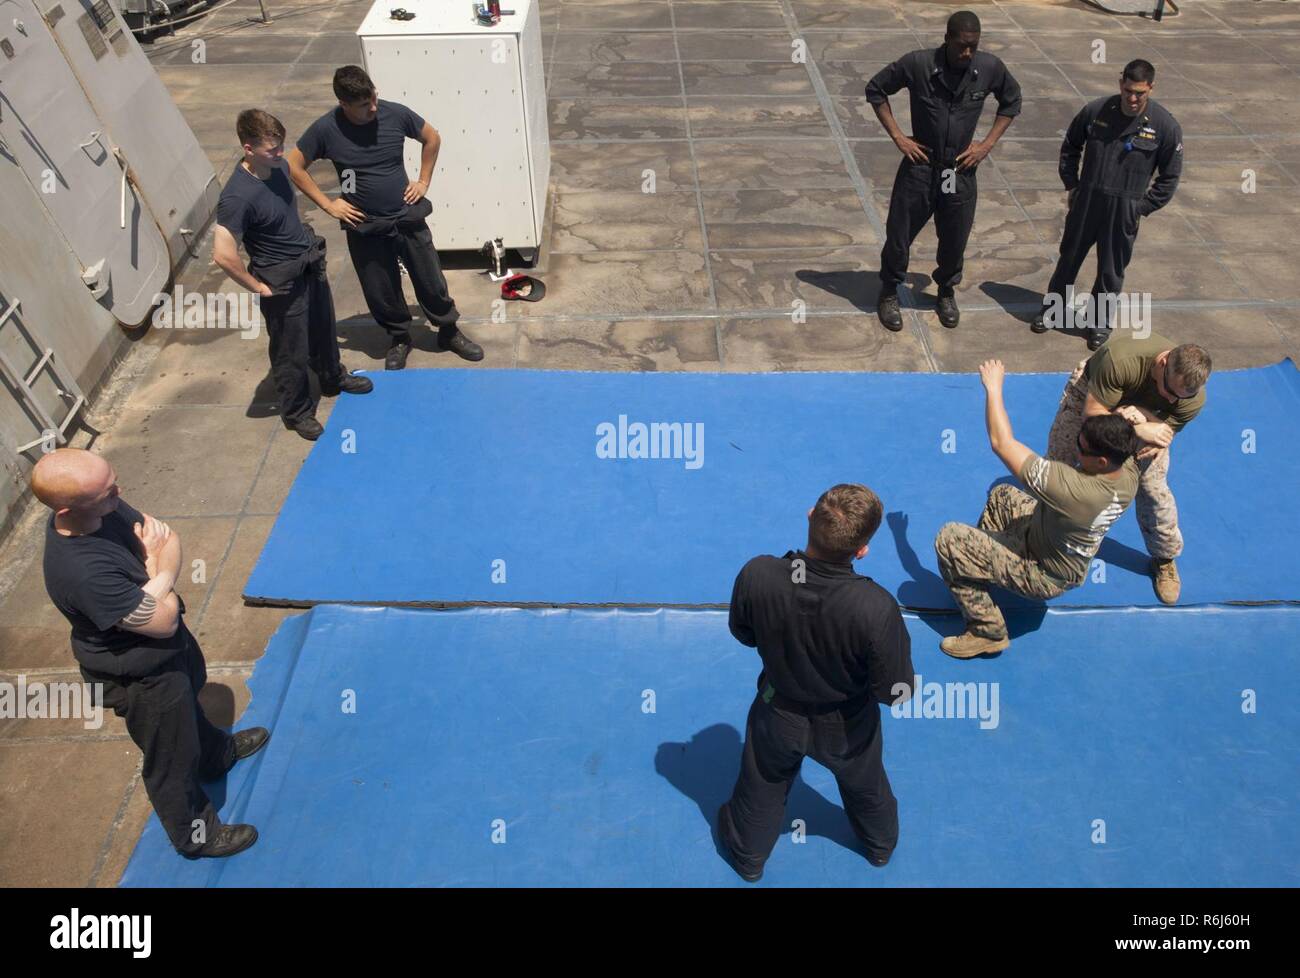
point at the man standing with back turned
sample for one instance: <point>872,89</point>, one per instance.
<point>833,646</point>
<point>947,89</point>
<point>381,210</point>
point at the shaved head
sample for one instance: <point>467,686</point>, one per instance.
<point>74,479</point>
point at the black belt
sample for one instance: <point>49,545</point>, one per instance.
<point>770,696</point>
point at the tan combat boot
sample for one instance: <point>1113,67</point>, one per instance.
<point>968,646</point>
<point>1167,583</point>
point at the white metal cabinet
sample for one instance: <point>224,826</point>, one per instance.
<point>484,90</point>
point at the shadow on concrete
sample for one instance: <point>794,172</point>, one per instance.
<point>860,288</point>
<point>1023,304</point>
<point>218,704</point>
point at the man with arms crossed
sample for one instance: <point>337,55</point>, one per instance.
<point>286,267</point>
<point>381,210</point>
<point>1039,543</point>
<point>111,571</point>
<point>1157,386</point>
<point>833,646</point>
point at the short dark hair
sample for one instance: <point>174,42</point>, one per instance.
<point>255,124</point>
<point>963,22</point>
<point>845,517</point>
<point>1111,436</point>
<point>352,84</point>
<point>1138,70</point>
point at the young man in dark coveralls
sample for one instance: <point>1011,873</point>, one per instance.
<point>286,267</point>
<point>381,210</point>
<point>833,646</point>
<point>112,571</point>
<point>947,90</point>
<point>1124,139</point>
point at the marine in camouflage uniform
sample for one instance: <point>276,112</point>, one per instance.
<point>972,558</point>
<point>1038,541</point>
<point>1118,375</point>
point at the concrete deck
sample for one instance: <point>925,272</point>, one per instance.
<point>772,185</point>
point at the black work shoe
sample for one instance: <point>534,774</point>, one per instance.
<point>348,383</point>
<point>229,840</point>
<point>877,860</point>
<point>462,346</point>
<point>249,742</point>
<point>891,316</point>
<point>396,358</point>
<point>1096,337</point>
<point>949,314</point>
<point>750,877</point>
<point>1039,323</point>
<point>308,428</point>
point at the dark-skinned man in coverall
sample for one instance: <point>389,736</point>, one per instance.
<point>947,88</point>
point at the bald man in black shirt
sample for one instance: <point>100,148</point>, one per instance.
<point>833,646</point>
<point>111,571</point>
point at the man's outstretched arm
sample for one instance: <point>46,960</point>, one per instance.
<point>1001,439</point>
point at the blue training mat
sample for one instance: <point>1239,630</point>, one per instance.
<point>1131,724</point>
<point>485,486</point>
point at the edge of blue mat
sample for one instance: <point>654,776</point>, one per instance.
<point>273,672</point>
<point>782,373</point>
<point>1289,378</point>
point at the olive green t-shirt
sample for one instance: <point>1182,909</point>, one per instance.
<point>1120,373</point>
<point>1074,512</point>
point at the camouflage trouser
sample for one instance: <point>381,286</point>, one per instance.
<point>1157,513</point>
<point>973,558</point>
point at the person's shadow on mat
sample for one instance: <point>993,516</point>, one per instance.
<point>926,588</point>
<point>1118,554</point>
<point>705,771</point>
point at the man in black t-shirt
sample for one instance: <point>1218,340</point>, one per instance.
<point>381,210</point>
<point>286,267</point>
<point>833,646</point>
<point>111,571</point>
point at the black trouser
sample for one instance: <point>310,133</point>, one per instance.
<point>181,747</point>
<point>300,327</point>
<point>375,258</point>
<point>847,740</point>
<point>919,194</point>
<point>1111,223</point>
